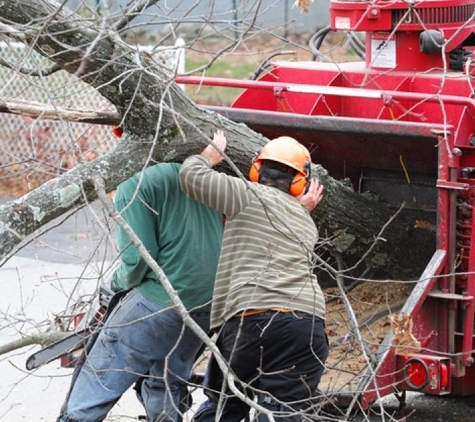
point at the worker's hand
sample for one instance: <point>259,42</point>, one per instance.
<point>210,152</point>
<point>313,196</point>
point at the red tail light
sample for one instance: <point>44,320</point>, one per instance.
<point>444,376</point>
<point>416,374</point>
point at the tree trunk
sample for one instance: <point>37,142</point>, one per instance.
<point>162,124</point>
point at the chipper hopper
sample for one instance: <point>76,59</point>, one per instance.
<point>400,123</point>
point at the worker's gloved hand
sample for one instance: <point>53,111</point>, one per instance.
<point>313,196</point>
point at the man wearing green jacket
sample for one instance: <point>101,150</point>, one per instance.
<point>145,335</point>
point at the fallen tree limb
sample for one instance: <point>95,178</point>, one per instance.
<point>162,124</point>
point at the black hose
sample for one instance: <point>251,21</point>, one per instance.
<point>356,44</point>
<point>316,42</point>
<point>317,39</point>
<point>265,63</point>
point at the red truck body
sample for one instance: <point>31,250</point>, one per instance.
<point>409,104</point>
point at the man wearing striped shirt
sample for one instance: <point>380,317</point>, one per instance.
<point>267,304</point>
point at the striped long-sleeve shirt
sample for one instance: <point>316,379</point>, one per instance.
<point>265,260</point>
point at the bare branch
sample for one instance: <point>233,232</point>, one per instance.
<point>133,12</point>
<point>42,339</point>
<point>45,112</point>
<point>31,72</point>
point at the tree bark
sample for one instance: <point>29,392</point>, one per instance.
<point>162,124</point>
<point>43,112</point>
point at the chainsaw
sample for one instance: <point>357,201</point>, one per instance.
<point>68,348</point>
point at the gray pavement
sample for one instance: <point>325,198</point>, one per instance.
<point>84,235</point>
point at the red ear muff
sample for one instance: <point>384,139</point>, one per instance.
<point>300,181</point>
<point>298,185</point>
<point>254,171</point>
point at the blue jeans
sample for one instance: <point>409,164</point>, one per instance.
<point>140,337</point>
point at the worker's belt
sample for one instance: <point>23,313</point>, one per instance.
<point>250,312</point>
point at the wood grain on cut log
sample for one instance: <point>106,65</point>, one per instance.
<point>162,124</point>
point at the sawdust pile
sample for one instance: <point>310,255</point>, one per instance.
<point>373,304</point>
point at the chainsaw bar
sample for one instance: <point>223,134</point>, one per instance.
<point>57,349</point>
<point>106,302</point>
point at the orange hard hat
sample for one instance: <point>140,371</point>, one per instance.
<point>288,151</point>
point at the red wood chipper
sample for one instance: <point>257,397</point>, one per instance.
<point>410,96</point>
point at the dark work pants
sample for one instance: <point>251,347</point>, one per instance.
<point>282,354</point>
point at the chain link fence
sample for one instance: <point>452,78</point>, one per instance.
<point>33,151</point>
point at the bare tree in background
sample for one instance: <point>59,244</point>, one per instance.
<point>134,90</point>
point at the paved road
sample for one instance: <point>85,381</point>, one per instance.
<point>421,408</point>
<point>86,235</point>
